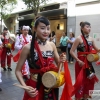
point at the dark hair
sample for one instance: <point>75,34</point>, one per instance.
<point>73,34</point>
<point>5,29</point>
<point>82,24</point>
<point>37,21</point>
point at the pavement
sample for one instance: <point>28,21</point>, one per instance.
<point>10,92</point>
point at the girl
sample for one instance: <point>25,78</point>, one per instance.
<point>39,49</point>
<point>84,71</point>
<point>21,40</point>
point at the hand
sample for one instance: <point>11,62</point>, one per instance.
<point>32,92</point>
<point>62,58</point>
<point>81,63</point>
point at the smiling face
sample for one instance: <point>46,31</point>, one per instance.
<point>42,31</point>
<point>25,31</point>
<point>86,29</point>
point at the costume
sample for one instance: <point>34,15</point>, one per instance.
<point>44,62</point>
<point>21,40</point>
<point>6,52</point>
<point>83,83</point>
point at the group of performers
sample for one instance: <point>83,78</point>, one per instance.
<point>36,56</point>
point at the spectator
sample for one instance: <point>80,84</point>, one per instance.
<point>72,39</point>
<point>63,42</point>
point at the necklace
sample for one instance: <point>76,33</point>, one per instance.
<point>86,36</point>
<point>41,42</point>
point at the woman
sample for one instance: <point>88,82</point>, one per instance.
<point>39,49</point>
<point>21,40</point>
<point>72,39</point>
<point>84,71</point>
<point>63,42</point>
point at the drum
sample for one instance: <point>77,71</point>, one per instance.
<point>52,79</point>
<point>93,57</point>
<point>8,45</point>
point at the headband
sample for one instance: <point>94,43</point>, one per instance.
<point>25,28</point>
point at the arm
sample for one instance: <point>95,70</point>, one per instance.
<point>18,45</point>
<point>21,61</point>
<point>72,51</point>
<point>11,39</point>
<point>32,92</point>
<point>56,56</point>
<point>95,47</point>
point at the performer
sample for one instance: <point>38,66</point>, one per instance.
<point>6,50</point>
<point>21,40</point>
<point>0,62</point>
<point>84,71</point>
<point>39,49</point>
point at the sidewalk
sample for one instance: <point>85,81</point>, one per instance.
<point>10,92</point>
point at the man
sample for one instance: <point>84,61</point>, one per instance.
<point>6,50</point>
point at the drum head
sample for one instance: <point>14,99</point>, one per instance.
<point>90,57</point>
<point>48,80</point>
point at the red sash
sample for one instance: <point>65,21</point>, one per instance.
<point>16,57</point>
<point>79,80</point>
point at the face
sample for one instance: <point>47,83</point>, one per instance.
<point>86,29</point>
<point>25,31</point>
<point>42,31</point>
<point>5,31</point>
<point>70,34</point>
<point>63,34</point>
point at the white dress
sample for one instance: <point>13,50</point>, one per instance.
<point>19,43</point>
<point>0,67</point>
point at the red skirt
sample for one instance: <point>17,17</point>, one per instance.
<point>88,84</point>
<point>33,83</point>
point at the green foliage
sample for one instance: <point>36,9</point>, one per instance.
<point>6,7</point>
<point>34,4</point>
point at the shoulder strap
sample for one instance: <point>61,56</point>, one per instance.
<point>39,52</point>
<point>84,41</point>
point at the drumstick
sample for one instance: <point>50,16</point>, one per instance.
<point>23,87</point>
<point>60,68</point>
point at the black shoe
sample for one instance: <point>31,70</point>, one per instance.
<point>9,69</point>
<point>4,69</point>
<point>0,89</point>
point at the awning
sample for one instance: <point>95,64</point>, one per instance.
<point>51,14</point>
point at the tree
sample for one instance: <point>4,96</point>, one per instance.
<point>35,5</point>
<point>6,7</point>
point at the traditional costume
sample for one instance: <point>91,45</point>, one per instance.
<point>44,62</point>
<point>6,52</point>
<point>21,40</point>
<point>83,83</point>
